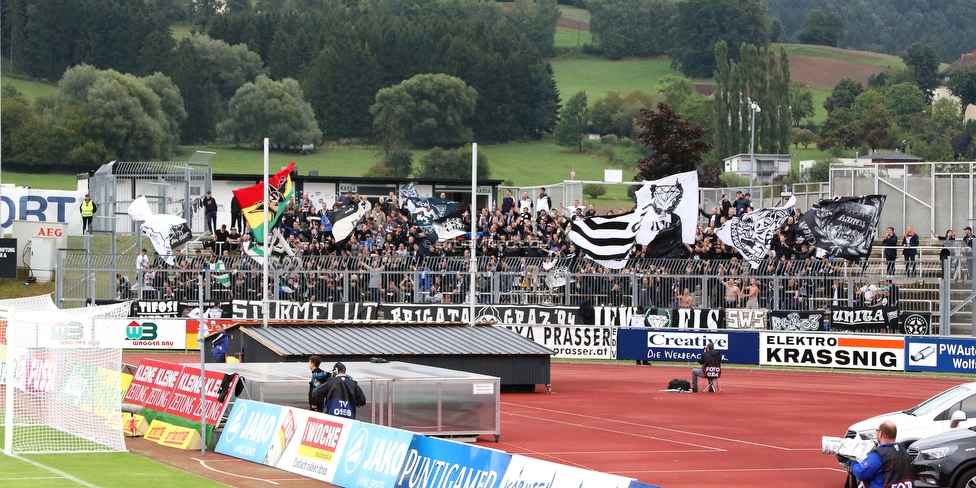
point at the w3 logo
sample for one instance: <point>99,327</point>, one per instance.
<point>145,331</point>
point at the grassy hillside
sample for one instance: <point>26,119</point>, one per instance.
<point>597,76</point>
<point>31,89</point>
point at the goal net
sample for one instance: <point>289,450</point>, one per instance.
<point>60,381</point>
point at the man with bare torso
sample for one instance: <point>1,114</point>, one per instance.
<point>685,300</point>
<point>731,293</point>
<point>752,294</point>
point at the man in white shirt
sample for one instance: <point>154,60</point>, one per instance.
<point>142,261</point>
<point>868,291</point>
<point>543,202</point>
<point>525,204</point>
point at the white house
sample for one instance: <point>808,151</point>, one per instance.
<point>769,167</point>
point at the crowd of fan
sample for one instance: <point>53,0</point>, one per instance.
<point>523,247</point>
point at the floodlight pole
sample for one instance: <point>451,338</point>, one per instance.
<point>267,253</point>
<point>473,265</point>
<point>753,107</point>
<point>203,369</point>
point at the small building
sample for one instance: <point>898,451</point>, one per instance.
<point>965,60</point>
<point>769,167</point>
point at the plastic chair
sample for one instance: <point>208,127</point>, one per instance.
<point>714,374</point>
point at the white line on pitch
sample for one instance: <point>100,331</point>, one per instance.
<point>58,472</point>
<point>685,432</point>
<point>709,448</point>
<point>204,464</point>
<point>725,470</point>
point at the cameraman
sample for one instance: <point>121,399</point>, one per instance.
<point>888,464</point>
<point>709,357</point>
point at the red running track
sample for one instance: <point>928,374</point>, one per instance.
<point>763,430</point>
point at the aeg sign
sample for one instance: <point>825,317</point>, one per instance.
<point>41,206</point>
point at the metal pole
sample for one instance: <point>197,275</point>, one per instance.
<point>203,370</point>
<point>753,107</point>
<point>473,265</point>
<point>267,253</point>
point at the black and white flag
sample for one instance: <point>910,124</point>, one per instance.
<point>163,230</point>
<point>672,218</point>
<point>751,234</point>
<point>451,226</point>
<point>845,226</point>
<point>344,221</point>
<point>608,240</point>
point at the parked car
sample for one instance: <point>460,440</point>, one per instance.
<point>946,460</point>
<point>931,417</point>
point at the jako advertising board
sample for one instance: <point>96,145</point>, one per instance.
<point>572,341</point>
<point>433,463</point>
<point>942,355</point>
<point>373,456</point>
<point>639,343</point>
<point>832,351</point>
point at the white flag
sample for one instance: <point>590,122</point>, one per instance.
<point>751,234</point>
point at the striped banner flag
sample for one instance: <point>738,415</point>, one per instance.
<point>608,240</point>
<point>251,198</point>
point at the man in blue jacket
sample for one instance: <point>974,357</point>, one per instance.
<point>340,395</point>
<point>888,464</point>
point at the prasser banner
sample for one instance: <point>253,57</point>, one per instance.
<point>572,341</point>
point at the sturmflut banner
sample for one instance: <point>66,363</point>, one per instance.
<point>572,341</point>
<point>832,351</point>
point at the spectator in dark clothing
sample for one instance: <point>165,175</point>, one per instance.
<point>313,366</point>
<point>890,242</point>
<point>210,207</point>
<point>709,357</point>
<point>340,395</point>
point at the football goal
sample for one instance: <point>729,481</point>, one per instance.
<point>60,381</point>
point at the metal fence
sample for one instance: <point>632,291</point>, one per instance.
<point>783,285</point>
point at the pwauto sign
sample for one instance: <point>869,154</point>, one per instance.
<point>832,351</point>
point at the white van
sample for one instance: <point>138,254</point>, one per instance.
<point>933,416</point>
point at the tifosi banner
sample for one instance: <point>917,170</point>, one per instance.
<point>285,310</point>
<point>168,308</point>
<point>572,341</point>
<point>744,318</point>
<point>832,351</point>
<point>796,320</point>
<point>640,343</point>
<point>864,319</point>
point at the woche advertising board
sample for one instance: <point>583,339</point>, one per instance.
<point>861,351</point>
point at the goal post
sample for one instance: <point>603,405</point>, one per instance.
<point>61,381</point>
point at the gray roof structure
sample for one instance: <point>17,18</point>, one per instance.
<point>304,340</point>
<point>489,350</point>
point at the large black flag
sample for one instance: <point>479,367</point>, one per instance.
<point>845,226</point>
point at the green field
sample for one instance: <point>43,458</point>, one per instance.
<point>566,37</point>
<point>31,89</point>
<point>597,76</point>
<point>44,181</point>
<point>108,470</point>
<point>575,13</point>
<point>839,54</point>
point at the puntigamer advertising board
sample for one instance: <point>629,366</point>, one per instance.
<point>832,351</point>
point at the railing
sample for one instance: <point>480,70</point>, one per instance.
<point>792,285</point>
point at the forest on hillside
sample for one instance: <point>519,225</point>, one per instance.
<point>888,26</point>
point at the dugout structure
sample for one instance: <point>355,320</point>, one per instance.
<point>61,379</point>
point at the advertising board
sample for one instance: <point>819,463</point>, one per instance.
<point>942,355</point>
<point>832,351</point>
<point>638,343</point>
<point>572,341</point>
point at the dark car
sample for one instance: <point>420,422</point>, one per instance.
<point>946,460</point>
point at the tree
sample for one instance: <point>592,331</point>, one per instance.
<point>25,138</point>
<point>843,95</point>
<point>678,146</point>
<point>429,109</point>
<point>839,130</point>
<point>946,117</point>
<point>201,98</point>
<point>228,67</point>
<point>171,103</point>
<point>400,163</point>
<point>273,109</point>
<point>594,191</point>
<point>454,164</point>
<point>700,24</point>
<point>572,122</point>
<point>905,101</point>
<point>819,170</point>
<point>963,85</point>
<point>631,27</point>
<point>923,67</point>
<point>874,126</point>
<point>536,20</point>
<point>119,111</point>
<point>802,136</point>
<point>822,29</point>
<point>341,83</point>
<point>603,111</point>
<point>801,102</point>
